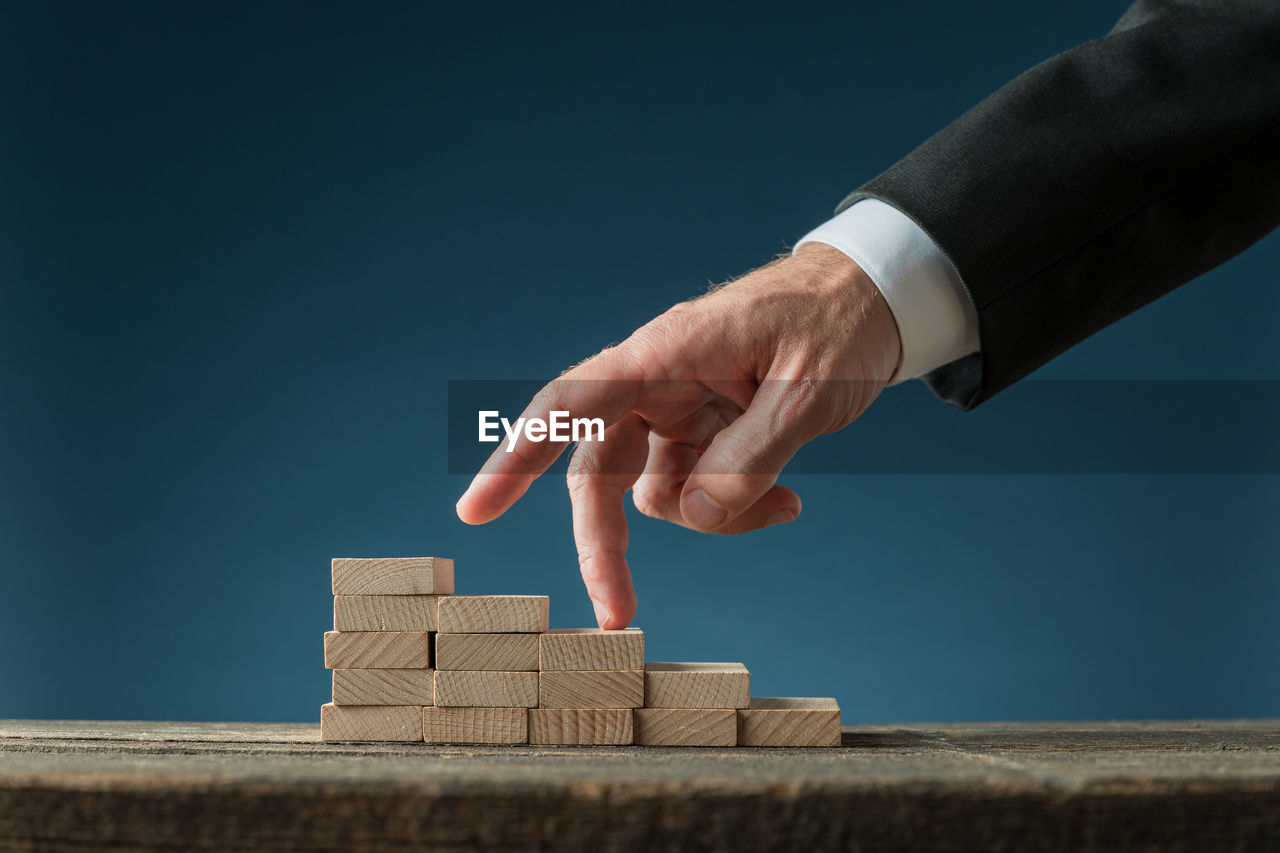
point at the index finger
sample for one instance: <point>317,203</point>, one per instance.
<point>605,386</point>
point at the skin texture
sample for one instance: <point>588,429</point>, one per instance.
<point>704,406</point>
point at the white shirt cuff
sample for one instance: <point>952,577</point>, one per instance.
<point>936,321</point>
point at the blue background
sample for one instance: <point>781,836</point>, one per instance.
<point>244,246</point>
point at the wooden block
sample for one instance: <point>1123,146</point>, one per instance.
<point>475,725</point>
<point>686,726</point>
<point>504,652</point>
<point>454,688</point>
<point>383,686</point>
<point>493,614</point>
<point>789,721</point>
<point>371,722</point>
<point>607,689</point>
<point>592,649</point>
<point>384,612</point>
<point>696,685</point>
<point>599,726</point>
<point>392,576</point>
<point>377,650</point>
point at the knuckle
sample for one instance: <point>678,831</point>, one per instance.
<point>646,499</point>
<point>680,314</point>
<point>593,559</point>
<point>548,396</point>
<point>652,345</point>
<point>582,465</point>
<point>806,403</point>
<point>588,563</point>
<point>742,454</point>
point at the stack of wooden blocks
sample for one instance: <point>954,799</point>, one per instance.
<point>412,661</point>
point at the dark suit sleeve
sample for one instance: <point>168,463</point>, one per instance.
<point>1100,180</point>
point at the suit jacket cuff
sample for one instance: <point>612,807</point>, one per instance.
<point>937,323</point>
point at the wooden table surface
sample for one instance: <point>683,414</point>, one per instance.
<point>1039,786</point>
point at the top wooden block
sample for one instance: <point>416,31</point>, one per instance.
<point>392,576</point>
<point>591,649</point>
<point>493,614</point>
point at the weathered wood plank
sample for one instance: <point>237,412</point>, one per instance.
<point>220,786</point>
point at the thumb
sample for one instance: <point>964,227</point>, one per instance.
<point>744,460</point>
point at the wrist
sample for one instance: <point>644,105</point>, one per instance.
<point>858,304</point>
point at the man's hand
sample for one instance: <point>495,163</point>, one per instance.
<point>703,407</point>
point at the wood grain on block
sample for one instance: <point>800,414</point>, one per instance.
<point>467,689</point>
<point>493,614</point>
<point>392,576</point>
<point>686,726</point>
<point>599,726</point>
<point>592,649</point>
<point>504,652</point>
<point>475,725</point>
<point>605,689</point>
<point>383,686</point>
<point>371,722</point>
<point>384,612</point>
<point>696,685</point>
<point>377,650</point>
<point>789,721</point>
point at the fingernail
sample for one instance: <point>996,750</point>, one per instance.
<point>602,613</point>
<point>782,516</point>
<point>701,510</point>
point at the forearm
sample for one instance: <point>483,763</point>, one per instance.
<point>1100,180</point>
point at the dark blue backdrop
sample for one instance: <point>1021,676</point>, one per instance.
<point>244,246</point>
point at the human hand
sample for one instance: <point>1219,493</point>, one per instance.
<point>703,406</point>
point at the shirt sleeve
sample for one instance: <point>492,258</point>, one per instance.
<point>937,322</point>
